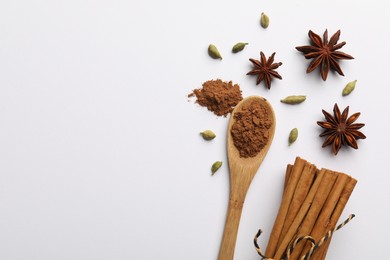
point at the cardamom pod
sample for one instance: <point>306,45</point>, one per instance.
<point>239,47</point>
<point>293,136</point>
<point>264,20</point>
<point>208,135</point>
<point>292,100</point>
<point>215,167</point>
<point>213,52</point>
<point>349,88</point>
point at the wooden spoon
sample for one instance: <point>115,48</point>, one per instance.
<point>242,171</point>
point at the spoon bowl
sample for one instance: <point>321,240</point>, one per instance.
<point>242,170</point>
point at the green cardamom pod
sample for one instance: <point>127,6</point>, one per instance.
<point>292,100</point>
<point>208,135</point>
<point>239,47</point>
<point>215,167</point>
<point>293,136</point>
<point>264,20</point>
<point>349,88</point>
<point>213,52</point>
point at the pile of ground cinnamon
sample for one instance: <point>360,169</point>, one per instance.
<point>250,130</point>
<point>218,96</point>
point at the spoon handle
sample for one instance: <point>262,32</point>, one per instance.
<point>226,252</point>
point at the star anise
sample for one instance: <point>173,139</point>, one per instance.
<point>324,53</point>
<point>340,130</point>
<point>264,69</point>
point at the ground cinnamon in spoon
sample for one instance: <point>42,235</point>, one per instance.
<point>250,130</point>
<point>218,96</point>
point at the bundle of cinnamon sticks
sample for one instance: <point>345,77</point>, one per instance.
<point>312,203</point>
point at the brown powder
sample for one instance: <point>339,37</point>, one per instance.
<point>250,130</point>
<point>218,96</point>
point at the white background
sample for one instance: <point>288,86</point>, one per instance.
<point>100,156</point>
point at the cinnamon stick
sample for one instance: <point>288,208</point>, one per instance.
<point>348,189</point>
<point>321,225</point>
<point>301,215</point>
<point>287,176</point>
<point>299,196</point>
<point>318,202</point>
<point>284,206</point>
